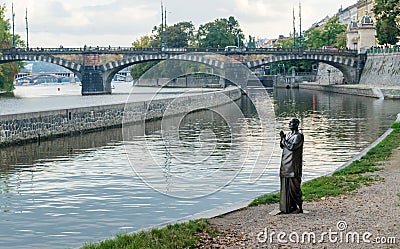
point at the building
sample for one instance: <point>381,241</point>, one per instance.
<point>364,7</point>
<point>348,14</point>
<point>361,31</point>
<point>266,43</point>
<point>361,35</point>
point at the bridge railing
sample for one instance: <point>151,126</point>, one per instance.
<point>382,50</point>
<point>119,50</point>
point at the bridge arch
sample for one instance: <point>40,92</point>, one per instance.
<point>114,67</point>
<point>75,68</point>
<point>347,65</point>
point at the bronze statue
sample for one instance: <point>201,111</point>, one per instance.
<point>291,169</point>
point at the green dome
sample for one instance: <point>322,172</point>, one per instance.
<point>366,20</point>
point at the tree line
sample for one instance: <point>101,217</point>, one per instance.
<point>219,33</point>
<point>387,13</point>
<point>8,71</point>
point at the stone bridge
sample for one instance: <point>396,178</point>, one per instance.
<point>96,67</point>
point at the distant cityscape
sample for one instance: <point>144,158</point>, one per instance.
<point>347,16</point>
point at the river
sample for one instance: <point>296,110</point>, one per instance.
<point>65,192</point>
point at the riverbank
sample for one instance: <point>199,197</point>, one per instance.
<point>375,91</point>
<point>362,198</point>
<point>371,211</point>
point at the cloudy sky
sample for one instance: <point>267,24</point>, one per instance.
<point>74,23</point>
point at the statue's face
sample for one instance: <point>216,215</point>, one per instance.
<point>293,125</point>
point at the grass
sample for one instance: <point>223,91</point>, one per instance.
<point>186,235</point>
<point>183,235</point>
<point>349,178</point>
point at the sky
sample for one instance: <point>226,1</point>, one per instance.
<point>75,23</point>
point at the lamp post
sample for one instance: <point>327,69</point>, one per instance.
<point>300,37</point>
<point>163,25</point>
<point>294,30</point>
<point>13,25</point>
<point>26,22</point>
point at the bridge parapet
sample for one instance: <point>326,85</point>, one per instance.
<point>132,50</point>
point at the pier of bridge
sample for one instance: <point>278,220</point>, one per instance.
<point>97,66</point>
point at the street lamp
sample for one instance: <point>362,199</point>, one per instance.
<point>13,25</point>
<point>27,33</point>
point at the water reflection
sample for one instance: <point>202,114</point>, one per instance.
<point>336,126</point>
<point>72,190</point>
<point>15,158</point>
<point>198,153</point>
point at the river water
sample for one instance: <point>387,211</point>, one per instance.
<point>68,191</point>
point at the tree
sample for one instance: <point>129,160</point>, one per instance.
<point>220,33</point>
<point>387,13</point>
<point>179,35</point>
<point>286,42</point>
<point>144,42</point>
<point>332,34</point>
<point>314,38</point>
<point>8,71</point>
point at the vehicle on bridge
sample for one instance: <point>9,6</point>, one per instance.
<point>232,49</point>
<point>330,49</point>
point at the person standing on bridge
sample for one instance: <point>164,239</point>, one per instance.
<point>291,169</point>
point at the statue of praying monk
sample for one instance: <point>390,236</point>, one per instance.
<point>291,169</point>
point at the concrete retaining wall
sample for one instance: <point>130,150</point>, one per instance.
<point>17,128</point>
<point>382,69</point>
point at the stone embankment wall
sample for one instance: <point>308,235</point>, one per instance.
<point>382,69</point>
<point>329,74</point>
<point>191,81</point>
<point>380,78</point>
<point>18,128</point>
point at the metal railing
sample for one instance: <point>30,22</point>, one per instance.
<point>131,50</point>
<point>383,50</point>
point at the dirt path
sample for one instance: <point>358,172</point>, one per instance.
<point>371,212</point>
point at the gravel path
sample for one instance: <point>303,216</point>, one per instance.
<point>372,212</point>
